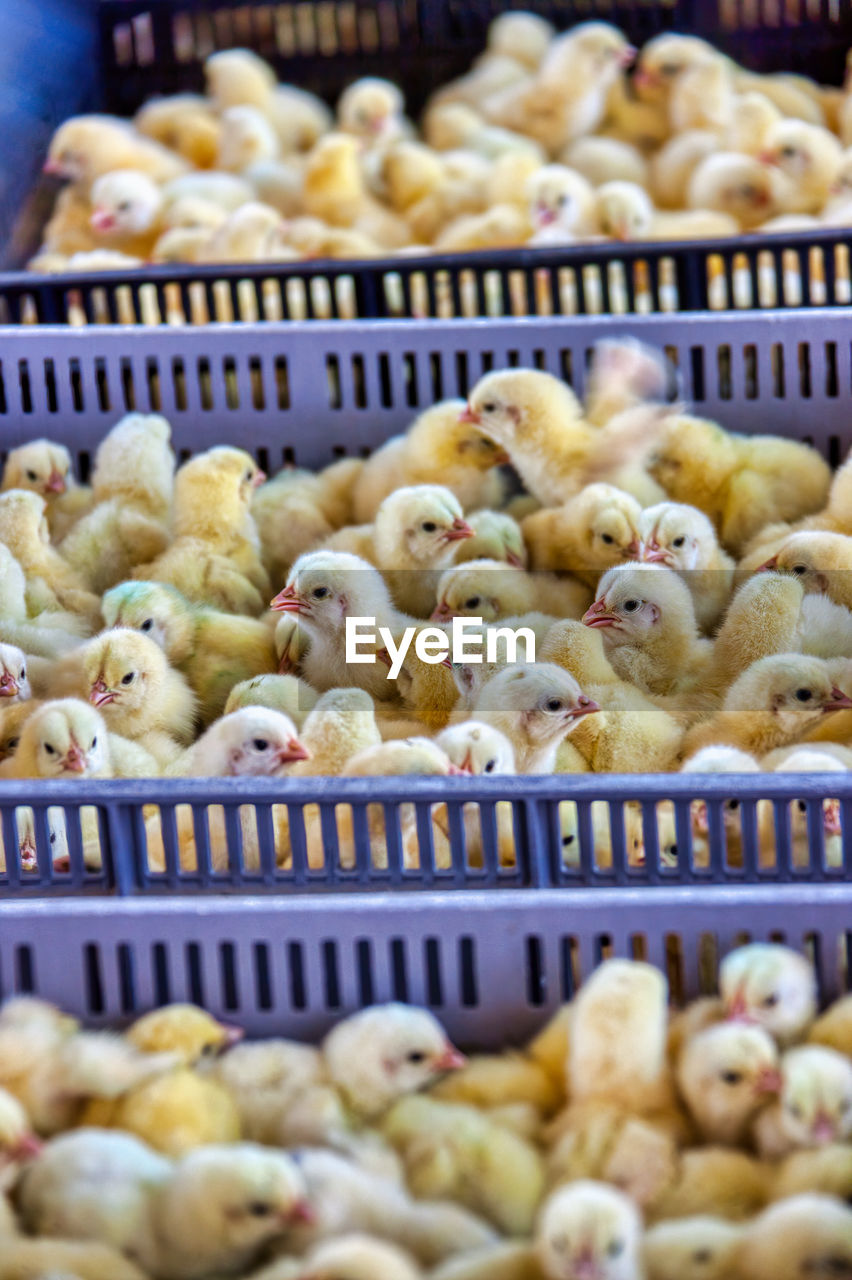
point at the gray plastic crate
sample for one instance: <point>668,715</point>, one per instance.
<point>491,948</point>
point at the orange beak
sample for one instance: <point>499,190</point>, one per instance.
<point>74,761</point>
<point>458,531</point>
<point>26,1148</point>
<point>653,553</point>
<point>53,167</point>
<point>233,1035</point>
<point>738,1010</point>
<point>102,220</point>
<point>768,1081</point>
<point>468,415</point>
<point>838,702</point>
<point>514,560</point>
<point>768,157</point>
<point>287,601</point>
<point>442,613</point>
<point>597,615</point>
<point>633,550</point>
<point>302,1212</point>
<point>56,483</point>
<point>824,1129</point>
<point>584,707</point>
<point>294,750</point>
<point>767,565</point>
<point>450,1060</point>
<point>831,817</point>
<point>100,695</point>
<point>259,479</point>
<point>8,685</point>
<point>27,850</point>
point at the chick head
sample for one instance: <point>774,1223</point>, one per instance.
<point>796,690</point>
<point>359,1257</point>
<point>426,520</point>
<point>12,719</point>
<point>287,694</point>
<point>246,138</point>
<point>719,759</point>
<point>512,404</point>
<point>802,152</point>
<point>23,523</point>
<point>252,742</point>
<point>798,1238</point>
<point>42,466</point>
<point>607,520</point>
<point>136,456</point>
<point>624,210</point>
<point>635,602</point>
<point>183,1029</point>
<point>324,587</point>
<point>662,61</point>
<point>86,146</point>
<point>441,432</point>
<point>701,1248</point>
<point>685,444</point>
<point>222,480</point>
<point>676,535</point>
<point>811,557</point>
<point>589,1231</point>
<point>238,76</point>
<point>124,203</point>
<point>726,1073</point>
<point>369,108</point>
<point>811,760</point>
<point>522,36</point>
<point>496,536</point>
<point>739,185</point>
<point>543,699</point>
<point>65,739</point>
<point>122,668</point>
<point>245,1194</point>
<point>483,589</point>
<point>400,757</point>
<point>770,986</point>
<point>14,681</point>
<point>477,748</point>
<point>559,196</point>
<point>816,1095</point>
<point>155,609</point>
<point>594,50</point>
<point>386,1052</point>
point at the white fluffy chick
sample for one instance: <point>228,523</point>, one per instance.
<point>772,986</point>
<point>14,681</point>
<point>799,1238</point>
<point>415,534</point>
<point>372,110</point>
<point>63,739</point>
<point>477,748</point>
<point>815,1103</point>
<point>127,206</point>
<point>720,759</point>
<point>726,1074</point>
<point>701,1248</point>
<point>589,1231</point>
<point>384,1052</point>
<point>683,539</point>
<point>561,205</point>
<point>251,742</point>
<point>535,707</point>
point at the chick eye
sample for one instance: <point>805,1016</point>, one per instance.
<point>428,526</point>
<point>678,542</point>
<point>258,1209</point>
<point>801,806</point>
<point>489,408</point>
<point>490,766</point>
<point>249,475</point>
<point>554,704</point>
<point>800,569</point>
<point>472,602</point>
<point>416,1055</point>
<point>11,744</point>
<point>129,678</point>
<point>630,606</point>
<point>23,673</point>
<point>788,152</point>
<point>795,1110</point>
<point>147,624</point>
<point>701,1256</point>
<point>566,840</point>
<point>51,751</point>
<point>615,1248</point>
<point>320,593</point>
<point>607,538</point>
<point>31,475</point>
<point>732,805</point>
<point>803,695</point>
<point>730,1077</point>
<point>562,200</point>
<point>770,1001</point>
<point>94,744</point>
<point>124,206</point>
<point>669,69</point>
<point>260,744</point>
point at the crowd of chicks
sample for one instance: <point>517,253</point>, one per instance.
<point>687,591</point>
<point>624,1142</point>
<point>546,141</point>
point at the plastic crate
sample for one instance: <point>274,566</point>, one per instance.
<point>155,46</point>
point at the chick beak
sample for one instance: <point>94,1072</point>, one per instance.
<point>470,416</point>
<point>102,220</point>
<point>74,760</point>
<point>100,694</point>
<point>384,656</point>
<point>232,1035</point>
<point>56,483</point>
<point>738,1010</point>
<point>584,706</point>
<point>501,457</point>
<point>837,701</point>
<point>285,664</point>
<point>26,1148</point>
<point>768,157</point>
<point>27,850</point>
<point>287,601</point>
<point>597,615</point>
<point>645,79</point>
<point>259,479</point>
<point>699,816</point>
<point>442,613</point>
<point>625,58</point>
<point>635,550</point>
<point>8,685</point>
<point>544,216</point>
<point>824,1129</point>
<point>585,1267</point>
<point>53,167</point>
<point>767,565</point>
<point>458,531</point>
<point>831,817</point>
<point>446,662</point>
<point>455,771</point>
<point>768,1081</point>
<point>294,750</point>
<point>466,765</point>
<point>301,1212</point>
<point>450,1060</point>
<point>653,553</point>
<point>514,560</point>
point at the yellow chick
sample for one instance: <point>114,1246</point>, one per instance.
<point>85,147</point>
<point>535,707</point>
<point>664,59</point>
<point>478,749</point>
<point>740,482</point>
<point>76,1260</point>
<point>52,583</point>
<point>287,694</point>
<point>589,1229</point>
<point>725,1075</point>
<point>825,1169</point>
<point>253,233</point>
<point>588,535</point>
<point>804,852</point>
<point>371,110</point>
<point>214,650</point>
<point>774,703</point>
<point>438,448</point>
<point>683,539</point>
<point>808,158</point>
<point>490,590</point>
<point>646,616</point>
<point>63,739</point>
<point>297,510</point>
<point>335,191</point>
<point>561,206</point>
<point>127,212</point>
<point>799,1237</point>
<point>738,185</point>
<point>813,1108</point>
<point>182,122</point>
<point>341,723</point>
<point>496,536</point>
<point>45,467</point>
<point>349,1257</point>
<point>692,1249</point>
<point>601,160</point>
<point>132,493</point>
<point>820,560</point>
<point>718,759</point>
<point>772,986</point>
<point>501,227</point>
<point>245,138</point>
<point>673,165</point>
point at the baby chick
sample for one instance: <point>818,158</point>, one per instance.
<point>127,212</point>
<point>736,185</point>
<point>804,760</point>
<point>438,448</point>
<point>63,739</point>
<point>717,759</point>
<point>251,742</point>
<point>803,1236</point>
<point>535,707</point>
<point>52,583</point>
<point>726,1074</point>
<point>372,110</point>
<point>588,535</point>
<point>646,615</point>
<point>132,494</point>
<point>490,590</point>
<point>692,1249</point>
<point>589,1229</point>
<point>183,122</point>
<point>65,1260</point>
<point>349,1257</point>
<point>772,986</point>
<point>48,633</point>
<point>815,1103</point>
<point>683,539</point>
<point>85,147</point>
<point>280,693</point>
<point>561,206</point>
<point>45,467</point>
<point>213,649</point>
<point>808,157</point>
<point>340,724</point>
<point>496,536</point>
